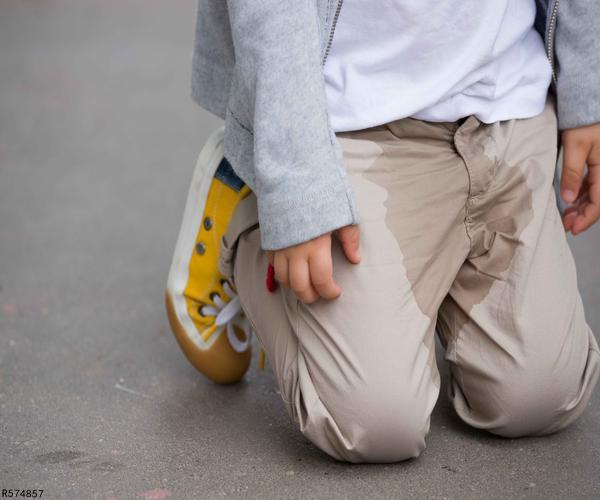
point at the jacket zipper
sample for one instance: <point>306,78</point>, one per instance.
<point>333,23</point>
<point>550,37</point>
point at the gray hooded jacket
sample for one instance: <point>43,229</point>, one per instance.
<point>258,64</point>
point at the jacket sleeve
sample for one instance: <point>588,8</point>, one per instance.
<point>577,52</point>
<point>213,58</point>
<point>300,182</point>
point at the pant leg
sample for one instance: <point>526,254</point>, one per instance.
<point>358,374</point>
<point>523,359</point>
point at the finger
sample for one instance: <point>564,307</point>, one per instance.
<point>575,155</point>
<point>576,209</point>
<point>568,218</point>
<point>300,281</point>
<point>349,237</point>
<point>270,256</point>
<point>589,214</point>
<point>321,275</point>
<point>280,265</point>
<point>589,211</point>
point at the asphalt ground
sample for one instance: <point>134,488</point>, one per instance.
<point>98,138</point>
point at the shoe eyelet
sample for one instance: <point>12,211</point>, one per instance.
<point>200,312</point>
<point>201,247</point>
<point>213,294</point>
<point>208,223</point>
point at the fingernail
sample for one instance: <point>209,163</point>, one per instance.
<point>568,196</point>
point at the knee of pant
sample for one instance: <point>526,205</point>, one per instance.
<point>532,401</point>
<point>377,426</point>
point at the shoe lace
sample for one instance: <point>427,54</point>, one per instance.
<point>229,313</point>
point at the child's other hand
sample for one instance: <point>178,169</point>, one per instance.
<point>307,268</point>
<point>581,145</point>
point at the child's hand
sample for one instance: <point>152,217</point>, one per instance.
<point>581,145</point>
<point>307,268</point>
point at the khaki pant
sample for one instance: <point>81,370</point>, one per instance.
<point>460,230</point>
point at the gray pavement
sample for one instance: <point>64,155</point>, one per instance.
<point>98,137</point>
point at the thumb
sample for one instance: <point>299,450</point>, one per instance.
<point>349,237</point>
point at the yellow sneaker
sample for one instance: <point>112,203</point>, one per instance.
<point>202,305</point>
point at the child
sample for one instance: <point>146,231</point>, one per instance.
<point>424,137</point>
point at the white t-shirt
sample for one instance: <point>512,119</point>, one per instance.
<point>437,61</point>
